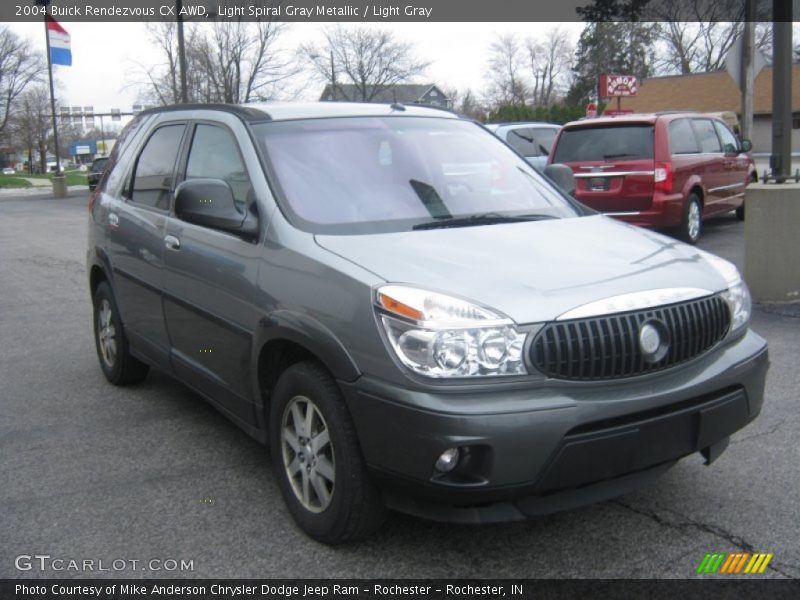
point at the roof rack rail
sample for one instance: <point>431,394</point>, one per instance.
<point>246,113</point>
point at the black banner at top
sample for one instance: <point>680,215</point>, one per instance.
<point>387,10</point>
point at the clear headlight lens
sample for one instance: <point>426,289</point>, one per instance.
<point>440,336</point>
<point>737,294</point>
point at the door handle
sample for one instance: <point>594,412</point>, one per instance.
<point>172,243</point>
<point>113,219</point>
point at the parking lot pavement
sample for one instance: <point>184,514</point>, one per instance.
<point>152,472</point>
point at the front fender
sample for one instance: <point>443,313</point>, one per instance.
<point>308,333</point>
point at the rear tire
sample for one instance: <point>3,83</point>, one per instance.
<point>317,458</point>
<point>111,343</point>
<point>692,223</point>
<point>740,212</point>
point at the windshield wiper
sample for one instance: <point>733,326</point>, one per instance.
<point>489,218</point>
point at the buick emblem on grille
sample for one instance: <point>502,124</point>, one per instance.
<point>653,340</point>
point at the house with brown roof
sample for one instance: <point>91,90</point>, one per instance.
<point>717,92</point>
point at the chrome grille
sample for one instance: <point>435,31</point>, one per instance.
<point>607,347</point>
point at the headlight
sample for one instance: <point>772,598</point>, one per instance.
<point>440,336</point>
<point>737,295</point>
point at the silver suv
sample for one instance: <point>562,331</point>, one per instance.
<point>410,315</point>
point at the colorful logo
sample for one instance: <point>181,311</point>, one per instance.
<point>734,564</point>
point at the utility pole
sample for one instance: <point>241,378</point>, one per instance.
<point>780,161</point>
<point>181,51</point>
<point>748,68</point>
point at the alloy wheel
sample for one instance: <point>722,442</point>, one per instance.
<point>308,454</point>
<point>107,333</point>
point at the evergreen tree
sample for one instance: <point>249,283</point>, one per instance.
<point>625,48</point>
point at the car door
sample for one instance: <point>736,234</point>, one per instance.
<point>136,223</point>
<point>712,166</point>
<point>735,167</point>
<point>210,280</point>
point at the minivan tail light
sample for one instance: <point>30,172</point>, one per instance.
<point>662,176</point>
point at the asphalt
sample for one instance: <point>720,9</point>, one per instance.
<point>89,471</point>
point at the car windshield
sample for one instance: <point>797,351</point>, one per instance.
<point>378,174</point>
<point>99,164</point>
<point>614,142</point>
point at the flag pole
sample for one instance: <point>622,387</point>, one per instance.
<point>52,100</point>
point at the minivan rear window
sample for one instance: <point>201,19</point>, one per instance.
<point>610,142</point>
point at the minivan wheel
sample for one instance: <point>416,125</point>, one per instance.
<point>692,222</point>
<point>317,459</point>
<point>119,367</point>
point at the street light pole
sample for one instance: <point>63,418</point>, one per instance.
<point>181,51</point>
<point>781,160</point>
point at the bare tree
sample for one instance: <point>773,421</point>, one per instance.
<point>242,62</point>
<point>226,62</point>
<point>506,71</point>
<point>550,63</point>
<point>702,45</point>
<point>371,60</point>
<point>30,124</point>
<point>466,103</point>
<point>20,65</point>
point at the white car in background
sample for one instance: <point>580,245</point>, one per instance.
<point>533,140</point>
<point>8,171</point>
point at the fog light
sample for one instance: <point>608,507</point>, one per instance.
<point>448,460</point>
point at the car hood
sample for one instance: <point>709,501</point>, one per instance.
<point>531,271</point>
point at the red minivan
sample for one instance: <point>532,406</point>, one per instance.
<point>657,170</point>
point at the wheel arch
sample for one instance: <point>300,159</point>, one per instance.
<point>284,339</point>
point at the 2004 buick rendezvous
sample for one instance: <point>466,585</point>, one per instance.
<point>409,314</point>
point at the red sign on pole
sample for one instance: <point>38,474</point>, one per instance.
<point>616,86</point>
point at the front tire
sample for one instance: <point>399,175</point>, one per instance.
<point>119,367</point>
<point>317,458</point>
<point>692,223</point>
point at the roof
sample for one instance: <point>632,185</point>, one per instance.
<point>401,92</point>
<point>284,111</point>
<point>707,92</point>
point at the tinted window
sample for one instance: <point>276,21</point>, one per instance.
<point>544,138</point>
<point>729,142</point>
<point>681,137</point>
<point>362,175</point>
<point>152,180</point>
<point>706,135</point>
<point>531,141</point>
<point>113,178</point>
<point>624,142</point>
<point>215,155</point>
<point>98,165</point>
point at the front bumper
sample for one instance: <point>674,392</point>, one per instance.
<point>556,444</point>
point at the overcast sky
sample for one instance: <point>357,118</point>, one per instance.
<point>104,55</point>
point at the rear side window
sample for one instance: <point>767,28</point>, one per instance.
<point>706,135</point>
<point>215,155</point>
<point>152,180</point>
<point>729,142</point>
<point>681,137</point>
<point>617,142</point>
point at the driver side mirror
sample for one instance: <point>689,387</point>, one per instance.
<point>210,203</point>
<point>747,145</point>
<point>562,176</point>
